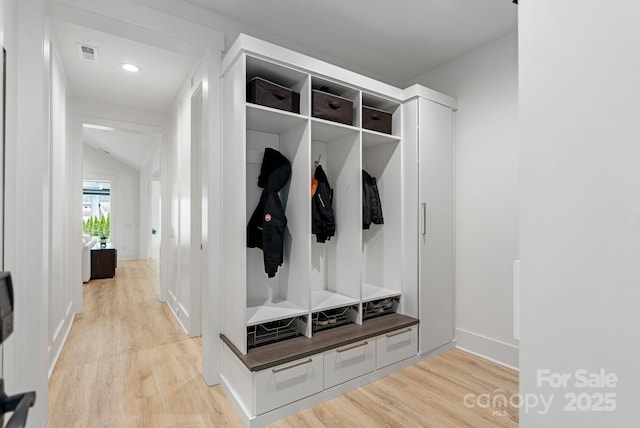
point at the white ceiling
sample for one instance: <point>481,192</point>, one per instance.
<point>154,88</point>
<point>395,40</point>
<point>132,148</point>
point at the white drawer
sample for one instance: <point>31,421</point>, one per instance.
<point>349,362</point>
<point>287,383</point>
<point>396,346</point>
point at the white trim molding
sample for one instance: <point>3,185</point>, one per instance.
<point>488,348</point>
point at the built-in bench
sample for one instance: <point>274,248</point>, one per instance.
<point>274,354</point>
<point>274,380</point>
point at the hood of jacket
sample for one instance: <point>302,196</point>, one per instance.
<point>320,175</point>
<point>275,171</point>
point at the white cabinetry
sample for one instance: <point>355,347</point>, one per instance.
<point>396,346</point>
<point>436,235</point>
<point>355,266</point>
<point>349,362</point>
<point>267,393</point>
<point>430,225</point>
<point>374,283</point>
<point>286,383</point>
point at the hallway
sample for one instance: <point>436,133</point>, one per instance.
<point>128,363</point>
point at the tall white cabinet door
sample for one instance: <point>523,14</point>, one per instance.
<point>436,217</point>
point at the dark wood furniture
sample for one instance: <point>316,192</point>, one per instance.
<point>104,260</point>
<point>271,355</point>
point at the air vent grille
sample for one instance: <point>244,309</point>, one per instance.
<point>89,53</point>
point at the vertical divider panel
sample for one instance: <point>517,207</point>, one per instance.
<point>357,110</point>
<point>304,89</point>
<point>296,146</point>
<point>233,220</point>
<point>411,208</point>
<point>396,122</point>
<point>344,255</point>
<point>305,110</point>
<point>359,215</point>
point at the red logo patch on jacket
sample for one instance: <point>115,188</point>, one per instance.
<point>267,218</point>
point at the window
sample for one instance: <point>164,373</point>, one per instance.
<point>96,208</point>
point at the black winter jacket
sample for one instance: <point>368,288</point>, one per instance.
<point>323,219</point>
<point>268,222</point>
<point>371,205</point>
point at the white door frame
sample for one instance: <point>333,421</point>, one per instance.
<point>196,188</point>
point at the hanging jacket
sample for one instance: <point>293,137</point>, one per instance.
<point>323,220</point>
<point>268,222</point>
<point>371,205</point>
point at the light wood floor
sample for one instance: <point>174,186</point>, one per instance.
<point>127,363</point>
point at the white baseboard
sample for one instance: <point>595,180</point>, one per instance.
<point>439,350</point>
<point>177,318</point>
<point>490,349</point>
<point>59,340</point>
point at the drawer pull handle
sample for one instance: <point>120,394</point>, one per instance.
<point>302,363</point>
<point>352,347</point>
<point>397,333</point>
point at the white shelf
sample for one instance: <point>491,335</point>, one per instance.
<point>373,292</point>
<point>322,300</point>
<point>327,131</point>
<point>271,120</point>
<point>369,100</point>
<point>375,138</point>
<point>283,76</point>
<point>272,310</point>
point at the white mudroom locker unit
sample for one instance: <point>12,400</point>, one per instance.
<point>367,302</point>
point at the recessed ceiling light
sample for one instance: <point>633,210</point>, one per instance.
<point>130,67</point>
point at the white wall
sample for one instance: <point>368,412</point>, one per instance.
<point>580,205</point>
<point>67,249</point>
<point>27,200</point>
<point>486,163</point>
<point>211,213</point>
<point>2,169</point>
<point>181,294</point>
<point>125,194</point>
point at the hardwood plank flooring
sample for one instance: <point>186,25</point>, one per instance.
<point>128,363</point>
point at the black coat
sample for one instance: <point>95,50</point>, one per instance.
<point>371,205</point>
<point>322,217</point>
<point>268,222</point>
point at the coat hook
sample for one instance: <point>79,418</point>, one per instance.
<point>317,162</point>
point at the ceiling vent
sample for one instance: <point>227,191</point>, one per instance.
<point>90,53</point>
